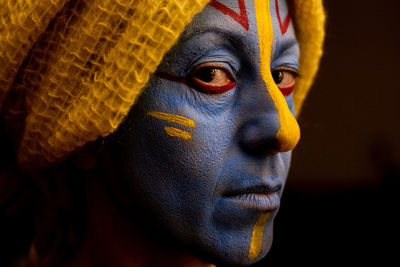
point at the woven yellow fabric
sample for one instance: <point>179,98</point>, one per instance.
<point>70,70</point>
<point>309,19</point>
<point>85,72</point>
<point>21,23</point>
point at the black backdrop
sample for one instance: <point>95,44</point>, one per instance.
<point>342,196</point>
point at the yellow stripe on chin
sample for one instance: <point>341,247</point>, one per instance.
<point>289,133</point>
<point>256,237</point>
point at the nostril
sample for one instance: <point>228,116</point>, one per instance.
<point>261,148</point>
<point>258,137</point>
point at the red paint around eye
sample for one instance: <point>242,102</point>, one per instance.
<point>208,89</point>
<point>242,19</point>
<point>285,25</point>
<point>214,90</point>
<point>287,91</point>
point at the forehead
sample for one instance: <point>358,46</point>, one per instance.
<point>237,19</point>
<point>239,16</point>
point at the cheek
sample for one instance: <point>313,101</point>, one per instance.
<point>286,158</point>
<point>175,177</point>
<point>186,130</point>
<point>174,119</point>
<point>175,151</point>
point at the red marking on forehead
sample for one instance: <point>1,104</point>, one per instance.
<point>241,18</point>
<point>285,25</point>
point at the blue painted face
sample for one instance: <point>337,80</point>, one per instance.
<point>199,149</point>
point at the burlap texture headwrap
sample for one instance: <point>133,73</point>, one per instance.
<point>70,70</point>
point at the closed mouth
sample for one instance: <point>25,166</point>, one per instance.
<point>263,198</point>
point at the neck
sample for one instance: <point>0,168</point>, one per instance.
<point>113,240</point>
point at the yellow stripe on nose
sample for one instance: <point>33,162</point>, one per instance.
<point>173,118</point>
<point>289,133</point>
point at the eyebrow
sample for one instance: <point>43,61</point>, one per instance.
<point>237,39</point>
<point>233,37</point>
<point>281,53</point>
<point>287,43</point>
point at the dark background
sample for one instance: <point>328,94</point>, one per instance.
<point>342,197</point>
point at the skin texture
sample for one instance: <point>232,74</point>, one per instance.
<point>186,156</point>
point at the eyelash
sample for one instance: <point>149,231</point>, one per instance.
<point>194,82</point>
<point>290,74</point>
<point>214,70</point>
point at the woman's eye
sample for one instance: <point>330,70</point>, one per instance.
<point>285,80</point>
<point>212,79</point>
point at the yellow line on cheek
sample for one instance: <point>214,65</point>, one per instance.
<point>256,237</point>
<point>173,118</point>
<point>289,133</point>
<point>174,132</point>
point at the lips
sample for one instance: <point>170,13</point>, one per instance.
<point>260,197</point>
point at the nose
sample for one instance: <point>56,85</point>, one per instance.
<point>269,126</point>
<point>288,134</point>
<point>272,128</point>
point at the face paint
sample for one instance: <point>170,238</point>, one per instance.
<point>285,24</point>
<point>173,118</point>
<point>174,132</point>
<point>289,133</point>
<point>171,131</point>
<point>241,18</point>
<point>257,236</point>
<point>202,149</point>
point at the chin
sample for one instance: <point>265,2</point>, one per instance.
<point>233,250</point>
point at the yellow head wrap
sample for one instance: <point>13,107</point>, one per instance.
<point>71,70</point>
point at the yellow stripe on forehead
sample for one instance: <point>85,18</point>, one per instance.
<point>289,133</point>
